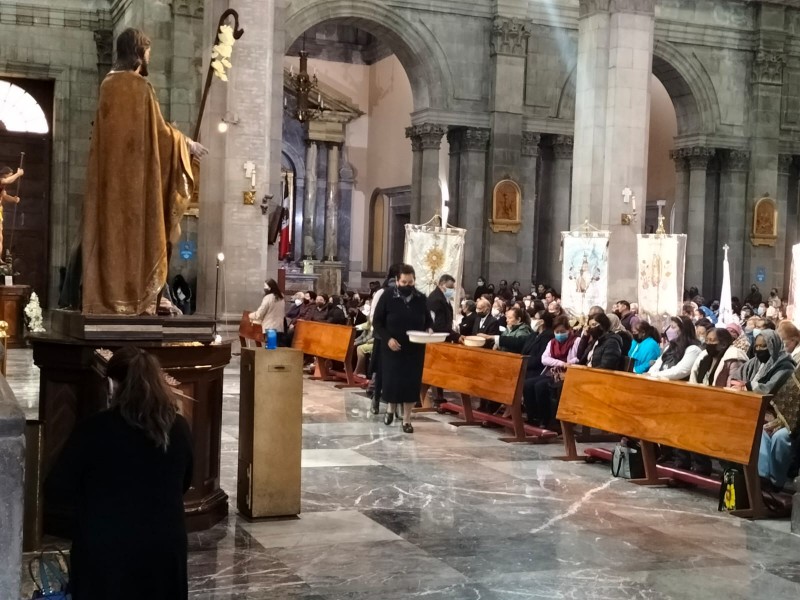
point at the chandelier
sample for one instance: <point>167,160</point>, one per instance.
<point>306,86</point>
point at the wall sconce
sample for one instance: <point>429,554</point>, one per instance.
<point>227,119</point>
<point>265,203</point>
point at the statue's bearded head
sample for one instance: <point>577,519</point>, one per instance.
<point>133,52</point>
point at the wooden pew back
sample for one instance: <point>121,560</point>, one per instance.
<point>489,374</point>
<point>324,340</point>
<point>707,420</point>
<point>250,331</point>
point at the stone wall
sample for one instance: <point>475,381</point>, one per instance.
<point>12,461</point>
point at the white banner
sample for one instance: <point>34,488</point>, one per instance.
<point>661,265</point>
<point>584,271</point>
<point>794,291</point>
<point>433,252</point>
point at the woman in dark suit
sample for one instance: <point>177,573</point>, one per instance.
<point>401,309</point>
<point>125,471</point>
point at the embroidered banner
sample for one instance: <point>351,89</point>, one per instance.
<point>661,267</point>
<point>584,271</point>
<point>433,252</point>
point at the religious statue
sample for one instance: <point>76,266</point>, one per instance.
<point>585,275</point>
<point>7,177</point>
<point>138,186</point>
<point>765,222</point>
<point>506,206</point>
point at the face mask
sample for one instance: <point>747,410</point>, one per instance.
<point>480,282</point>
<point>762,355</point>
<point>756,332</point>
<point>405,290</point>
<point>562,337</point>
<point>639,337</point>
<point>306,301</point>
<point>495,313</point>
<point>701,339</point>
<point>536,324</point>
<point>748,330</point>
<point>672,334</point>
<point>595,332</point>
<point>449,293</point>
<point>298,302</point>
<point>712,350</point>
<point>527,303</point>
<point>761,311</point>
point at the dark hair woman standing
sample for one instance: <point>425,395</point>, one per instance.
<point>400,310</point>
<point>124,471</point>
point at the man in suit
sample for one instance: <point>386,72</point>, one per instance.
<point>469,317</point>
<point>440,305</point>
<point>485,322</point>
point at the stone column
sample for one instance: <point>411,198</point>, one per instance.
<point>681,201</point>
<point>698,158</point>
<point>555,218</point>
<point>732,219</point>
<point>781,265</point>
<point>612,119</point>
<point>310,205</point>
<point>426,197</point>
<point>530,202</point>
<point>474,142</point>
<point>454,174</point>
<point>332,204</point>
<point>792,229</point>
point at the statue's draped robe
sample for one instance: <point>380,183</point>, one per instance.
<point>138,185</point>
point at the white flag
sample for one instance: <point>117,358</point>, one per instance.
<point>726,316</point>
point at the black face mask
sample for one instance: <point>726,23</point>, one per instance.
<point>595,332</point>
<point>762,355</point>
<point>405,290</point>
<point>713,350</point>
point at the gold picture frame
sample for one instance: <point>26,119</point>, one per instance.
<point>765,222</point>
<point>506,207</point>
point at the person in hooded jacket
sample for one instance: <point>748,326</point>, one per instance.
<point>765,373</point>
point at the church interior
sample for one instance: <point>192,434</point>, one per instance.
<point>561,177</point>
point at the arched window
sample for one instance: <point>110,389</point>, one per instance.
<point>19,112</point>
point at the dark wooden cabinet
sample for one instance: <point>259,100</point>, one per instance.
<point>13,299</point>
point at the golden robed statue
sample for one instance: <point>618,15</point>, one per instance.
<point>138,185</point>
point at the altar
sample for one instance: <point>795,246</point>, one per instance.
<point>73,387</point>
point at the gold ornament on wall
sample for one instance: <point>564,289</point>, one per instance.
<point>506,207</point>
<point>765,222</point>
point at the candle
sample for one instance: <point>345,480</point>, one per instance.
<point>633,203</point>
<point>253,178</point>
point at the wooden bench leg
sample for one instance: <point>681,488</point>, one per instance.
<point>757,509</point>
<point>427,406</point>
<point>568,430</point>
<point>469,417</point>
<point>349,377</point>
<point>650,468</point>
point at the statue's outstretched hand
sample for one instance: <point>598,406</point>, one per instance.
<point>197,149</point>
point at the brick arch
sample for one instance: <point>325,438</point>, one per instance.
<point>416,48</point>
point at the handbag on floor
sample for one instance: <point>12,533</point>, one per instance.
<point>626,461</point>
<point>53,583</point>
<point>733,492</point>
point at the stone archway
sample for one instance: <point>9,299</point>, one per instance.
<point>416,48</point>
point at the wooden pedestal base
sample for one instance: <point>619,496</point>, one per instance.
<point>72,387</point>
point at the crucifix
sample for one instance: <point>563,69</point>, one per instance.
<point>626,195</point>
<point>250,172</point>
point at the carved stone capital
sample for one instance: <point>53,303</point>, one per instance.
<point>698,156</point>
<point>563,146</point>
<point>737,160</point>
<point>680,160</point>
<point>530,143</point>
<point>588,8</point>
<point>510,36</point>
<point>475,139</point>
<point>454,136</point>
<point>187,8</point>
<point>427,136</point>
<point>785,162</point>
<point>768,67</point>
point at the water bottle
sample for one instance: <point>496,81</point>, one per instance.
<point>272,339</point>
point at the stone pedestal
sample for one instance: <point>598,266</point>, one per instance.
<point>73,387</point>
<point>297,281</point>
<point>12,459</point>
<point>329,277</point>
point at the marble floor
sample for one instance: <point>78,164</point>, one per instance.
<point>455,514</point>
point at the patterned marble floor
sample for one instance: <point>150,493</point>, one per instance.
<point>454,514</point>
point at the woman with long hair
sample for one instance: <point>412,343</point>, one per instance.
<point>124,471</point>
<point>681,352</point>
<point>271,313</point>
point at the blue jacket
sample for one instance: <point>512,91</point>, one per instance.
<point>643,354</point>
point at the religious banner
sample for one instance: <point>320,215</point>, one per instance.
<point>584,270</point>
<point>660,273</point>
<point>794,292</point>
<point>433,252</point>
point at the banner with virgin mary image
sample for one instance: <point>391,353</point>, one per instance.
<point>661,267</point>
<point>584,271</point>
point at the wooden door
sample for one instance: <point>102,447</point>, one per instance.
<point>27,233</point>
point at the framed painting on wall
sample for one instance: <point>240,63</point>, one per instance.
<point>506,207</point>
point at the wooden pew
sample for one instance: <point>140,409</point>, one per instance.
<point>713,421</point>
<point>250,331</point>
<point>325,341</point>
<point>479,373</point>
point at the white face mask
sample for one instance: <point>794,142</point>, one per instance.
<point>536,324</point>
<point>495,313</point>
<point>298,302</point>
